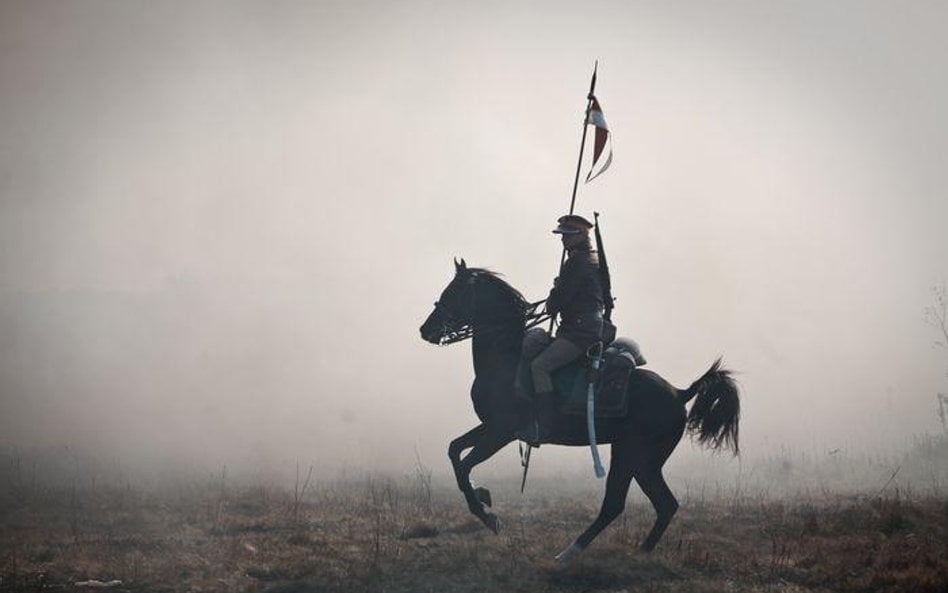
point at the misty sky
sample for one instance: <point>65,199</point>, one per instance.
<point>221,223</point>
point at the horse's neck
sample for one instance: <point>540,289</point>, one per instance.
<point>498,333</point>
<point>496,351</point>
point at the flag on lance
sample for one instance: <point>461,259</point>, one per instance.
<point>603,137</point>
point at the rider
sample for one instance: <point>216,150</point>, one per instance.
<point>577,297</point>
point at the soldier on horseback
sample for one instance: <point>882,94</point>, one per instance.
<point>478,305</point>
<point>577,298</point>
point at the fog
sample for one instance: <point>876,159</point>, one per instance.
<point>221,223</point>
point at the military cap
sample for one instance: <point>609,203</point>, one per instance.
<point>572,224</point>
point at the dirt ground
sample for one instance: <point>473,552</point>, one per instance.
<point>400,535</point>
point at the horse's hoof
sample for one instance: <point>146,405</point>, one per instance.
<point>568,554</point>
<point>492,522</point>
<point>483,495</point>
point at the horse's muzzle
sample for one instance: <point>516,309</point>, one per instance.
<point>430,336</point>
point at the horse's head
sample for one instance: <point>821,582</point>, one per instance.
<point>454,309</point>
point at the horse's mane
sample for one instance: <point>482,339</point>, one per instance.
<point>494,278</point>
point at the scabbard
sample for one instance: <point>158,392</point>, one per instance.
<point>591,421</point>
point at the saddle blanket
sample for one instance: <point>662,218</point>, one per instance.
<point>571,382</point>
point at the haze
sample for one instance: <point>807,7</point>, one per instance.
<point>223,222</point>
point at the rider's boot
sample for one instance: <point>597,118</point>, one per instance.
<point>521,390</point>
<point>543,405</point>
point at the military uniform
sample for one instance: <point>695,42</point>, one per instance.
<point>577,297</point>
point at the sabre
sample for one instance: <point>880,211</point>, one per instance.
<point>591,414</point>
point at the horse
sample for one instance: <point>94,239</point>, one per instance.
<point>478,303</point>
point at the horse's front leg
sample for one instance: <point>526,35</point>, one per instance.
<point>484,441</point>
<point>463,443</point>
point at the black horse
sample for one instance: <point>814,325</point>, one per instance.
<point>478,303</point>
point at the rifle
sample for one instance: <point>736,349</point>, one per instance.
<point>608,300</point>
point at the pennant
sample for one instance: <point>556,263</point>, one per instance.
<point>602,138</point>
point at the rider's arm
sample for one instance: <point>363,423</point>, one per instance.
<point>565,288</point>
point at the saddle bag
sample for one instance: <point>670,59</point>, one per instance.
<point>613,383</point>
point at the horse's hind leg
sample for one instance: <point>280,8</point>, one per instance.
<point>621,469</point>
<point>653,484</point>
<point>658,492</point>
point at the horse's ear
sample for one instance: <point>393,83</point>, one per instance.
<point>463,264</point>
<point>459,266</point>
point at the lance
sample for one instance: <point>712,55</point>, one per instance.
<point>582,145</point>
<point>525,457</point>
<point>579,161</point>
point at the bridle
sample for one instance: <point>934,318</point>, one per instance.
<point>454,329</point>
<point>451,332</point>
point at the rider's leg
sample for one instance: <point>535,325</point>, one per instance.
<point>557,354</point>
<point>534,341</point>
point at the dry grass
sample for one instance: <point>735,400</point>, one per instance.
<point>382,534</point>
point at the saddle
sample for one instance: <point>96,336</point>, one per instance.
<point>571,382</point>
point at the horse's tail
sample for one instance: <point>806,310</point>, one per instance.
<point>714,417</point>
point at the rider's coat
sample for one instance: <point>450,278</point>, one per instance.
<point>577,297</point>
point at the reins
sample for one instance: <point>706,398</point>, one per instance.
<point>532,318</point>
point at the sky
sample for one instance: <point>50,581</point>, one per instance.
<point>221,223</point>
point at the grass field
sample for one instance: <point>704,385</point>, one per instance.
<point>376,533</point>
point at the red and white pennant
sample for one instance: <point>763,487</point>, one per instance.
<point>603,137</point>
